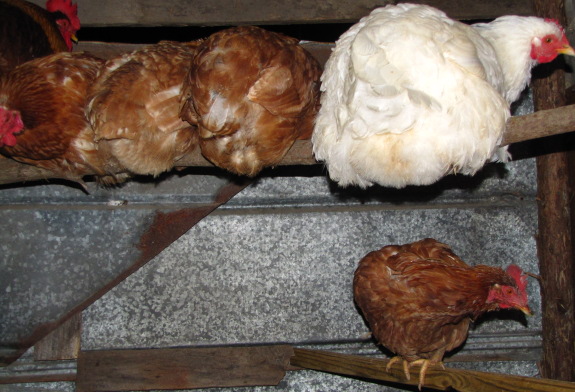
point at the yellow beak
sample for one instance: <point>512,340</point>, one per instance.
<point>526,310</point>
<point>566,50</point>
<point>75,40</point>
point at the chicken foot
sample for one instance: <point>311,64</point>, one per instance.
<point>425,363</point>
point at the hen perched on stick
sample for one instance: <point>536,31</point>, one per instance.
<point>252,93</point>
<point>135,105</point>
<point>42,118</point>
<point>419,299</point>
<point>410,95</point>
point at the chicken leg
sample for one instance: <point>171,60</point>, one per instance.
<point>425,364</point>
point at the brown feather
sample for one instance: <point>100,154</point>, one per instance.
<point>252,93</point>
<point>135,106</point>
<point>420,298</point>
<point>50,95</point>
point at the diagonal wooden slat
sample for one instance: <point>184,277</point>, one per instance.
<point>436,378</point>
<point>163,228</point>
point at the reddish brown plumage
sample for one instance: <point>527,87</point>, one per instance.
<point>50,96</point>
<point>252,93</point>
<point>28,31</point>
<point>420,298</point>
<point>135,106</point>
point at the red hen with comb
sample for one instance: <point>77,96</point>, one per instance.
<point>420,298</point>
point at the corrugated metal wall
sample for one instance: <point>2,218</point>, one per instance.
<point>275,264</point>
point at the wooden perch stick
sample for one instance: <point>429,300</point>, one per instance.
<point>437,378</point>
<point>540,124</point>
<point>519,128</point>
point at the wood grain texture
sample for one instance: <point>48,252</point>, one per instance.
<point>436,378</point>
<point>555,241</point>
<point>62,343</point>
<point>219,12</point>
<point>540,124</point>
<point>181,368</point>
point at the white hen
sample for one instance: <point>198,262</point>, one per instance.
<point>410,95</point>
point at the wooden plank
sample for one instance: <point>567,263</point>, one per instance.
<point>224,12</point>
<point>555,241</point>
<point>37,378</point>
<point>181,368</point>
<point>519,128</point>
<point>437,378</point>
<point>62,343</point>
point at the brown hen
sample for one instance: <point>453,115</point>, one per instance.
<point>28,31</point>
<point>419,299</point>
<point>135,106</point>
<point>42,119</point>
<point>252,93</point>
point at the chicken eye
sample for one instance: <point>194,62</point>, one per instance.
<point>548,40</point>
<point>508,291</point>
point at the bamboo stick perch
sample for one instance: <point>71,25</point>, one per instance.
<point>519,128</point>
<point>436,378</point>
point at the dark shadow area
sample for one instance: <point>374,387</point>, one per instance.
<point>328,32</point>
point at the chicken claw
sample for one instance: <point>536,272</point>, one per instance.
<point>425,363</point>
<point>405,366</point>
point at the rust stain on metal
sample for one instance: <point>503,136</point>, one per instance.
<point>167,227</point>
<point>163,231</point>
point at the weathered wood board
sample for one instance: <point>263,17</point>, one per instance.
<point>181,368</point>
<point>225,12</point>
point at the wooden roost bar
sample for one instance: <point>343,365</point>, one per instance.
<point>93,255</point>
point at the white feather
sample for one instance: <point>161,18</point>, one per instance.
<point>410,95</point>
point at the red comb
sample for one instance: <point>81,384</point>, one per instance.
<point>517,274</point>
<point>67,8</point>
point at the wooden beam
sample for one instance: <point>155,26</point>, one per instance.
<point>181,368</point>
<point>221,12</point>
<point>555,240</point>
<point>519,128</point>
<point>436,378</point>
<point>62,343</point>
<point>540,124</point>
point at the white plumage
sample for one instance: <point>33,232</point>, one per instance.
<point>410,95</point>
